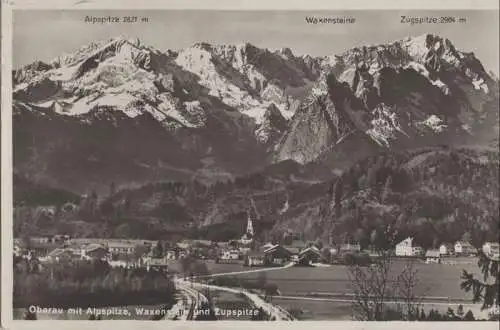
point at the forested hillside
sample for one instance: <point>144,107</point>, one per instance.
<point>435,194</point>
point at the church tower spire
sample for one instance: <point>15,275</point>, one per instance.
<point>249,226</point>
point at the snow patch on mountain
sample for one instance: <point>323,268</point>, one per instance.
<point>435,123</point>
<point>63,74</point>
<point>253,100</point>
<point>199,61</point>
<point>384,126</point>
<point>416,46</point>
<point>194,114</point>
<point>285,207</point>
<point>236,55</point>
<point>20,87</point>
<point>480,84</point>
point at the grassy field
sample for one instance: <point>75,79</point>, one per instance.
<point>436,280</point>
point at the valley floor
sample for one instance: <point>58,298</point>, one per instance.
<point>323,293</point>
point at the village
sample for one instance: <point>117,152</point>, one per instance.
<point>157,255</point>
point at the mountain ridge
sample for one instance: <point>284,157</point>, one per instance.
<point>231,109</point>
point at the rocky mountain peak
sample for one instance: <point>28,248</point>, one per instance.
<point>286,53</point>
<point>273,125</point>
<point>410,92</point>
<point>396,95</point>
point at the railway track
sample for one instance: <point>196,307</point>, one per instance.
<point>192,300</point>
<point>278,313</point>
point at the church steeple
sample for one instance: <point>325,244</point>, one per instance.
<point>249,232</point>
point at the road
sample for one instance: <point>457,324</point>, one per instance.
<point>256,270</point>
<point>349,300</point>
<point>188,301</point>
<point>276,312</point>
<point>191,298</point>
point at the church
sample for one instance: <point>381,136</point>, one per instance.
<point>247,238</point>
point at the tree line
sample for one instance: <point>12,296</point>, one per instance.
<point>87,284</point>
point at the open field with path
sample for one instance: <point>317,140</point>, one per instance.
<point>435,280</point>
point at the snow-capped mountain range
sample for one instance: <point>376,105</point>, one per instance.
<point>174,87</point>
<point>126,110</point>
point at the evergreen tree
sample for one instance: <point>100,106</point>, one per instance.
<point>483,290</point>
<point>460,311</point>
<point>158,250</point>
<point>422,315</point>
<point>469,316</point>
<point>450,314</point>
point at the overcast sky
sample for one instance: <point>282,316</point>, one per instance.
<point>43,35</point>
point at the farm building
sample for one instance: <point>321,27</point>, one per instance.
<point>121,247</point>
<point>159,264</point>
<point>255,258</point>
<point>463,248</point>
<point>63,255</point>
<point>433,256</point>
<point>232,254</point>
<point>309,255</point>
<point>277,255</point>
<point>94,251</point>
<point>446,249</point>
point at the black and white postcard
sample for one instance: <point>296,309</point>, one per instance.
<point>237,164</point>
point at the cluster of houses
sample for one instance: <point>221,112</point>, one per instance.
<point>270,254</point>
<point>143,253</point>
<point>407,248</point>
<point>117,252</point>
<point>297,251</point>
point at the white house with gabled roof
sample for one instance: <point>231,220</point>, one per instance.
<point>464,248</point>
<point>406,248</point>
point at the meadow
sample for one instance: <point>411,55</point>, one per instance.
<point>439,281</point>
<point>434,280</point>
